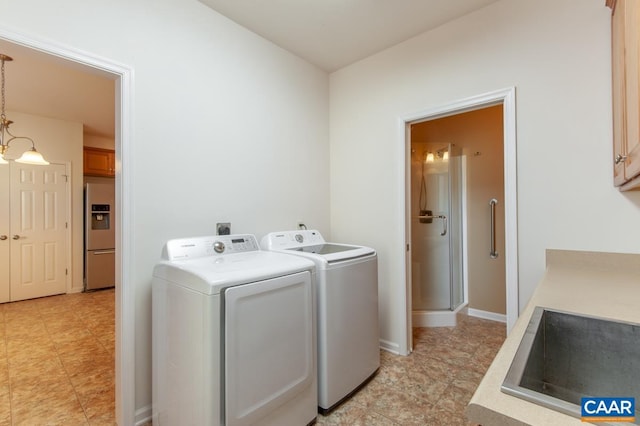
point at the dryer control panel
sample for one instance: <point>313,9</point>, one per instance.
<point>215,245</point>
<point>291,239</point>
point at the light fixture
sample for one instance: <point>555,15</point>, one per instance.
<point>430,158</point>
<point>445,156</point>
<point>6,137</point>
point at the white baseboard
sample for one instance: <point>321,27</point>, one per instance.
<point>143,415</point>
<point>388,346</point>
<point>492,316</point>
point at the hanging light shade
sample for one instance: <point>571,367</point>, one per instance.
<point>430,158</point>
<point>30,156</point>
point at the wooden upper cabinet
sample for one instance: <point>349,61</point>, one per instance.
<point>625,49</point>
<point>99,162</point>
<point>618,88</point>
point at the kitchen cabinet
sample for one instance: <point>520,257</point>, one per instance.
<point>99,162</point>
<point>625,49</point>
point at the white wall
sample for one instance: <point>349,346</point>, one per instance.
<point>59,142</point>
<point>557,55</point>
<point>226,126</point>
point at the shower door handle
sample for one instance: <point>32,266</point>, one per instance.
<point>492,250</point>
<point>441,216</point>
<point>444,225</point>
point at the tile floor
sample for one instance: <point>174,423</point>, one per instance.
<point>57,368</point>
<point>57,360</point>
<point>430,387</point>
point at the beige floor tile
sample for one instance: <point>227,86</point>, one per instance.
<point>63,347</point>
<point>58,411</point>
<point>44,388</point>
<point>432,385</point>
<point>29,352</point>
<point>100,407</point>
<point>25,329</point>
<point>49,367</point>
<point>5,403</point>
<point>87,346</point>
<point>56,368</point>
<point>61,321</point>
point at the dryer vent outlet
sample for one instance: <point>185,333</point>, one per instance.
<point>223,228</point>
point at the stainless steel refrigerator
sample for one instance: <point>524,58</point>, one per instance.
<point>99,236</point>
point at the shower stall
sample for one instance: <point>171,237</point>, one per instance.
<point>437,211</point>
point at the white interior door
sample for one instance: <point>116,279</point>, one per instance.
<point>5,231</point>
<point>38,230</point>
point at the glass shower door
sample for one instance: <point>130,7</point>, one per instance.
<point>437,228</point>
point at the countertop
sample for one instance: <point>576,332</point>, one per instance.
<point>604,285</point>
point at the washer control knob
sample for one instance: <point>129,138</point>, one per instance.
<point>299,238</point>
<point>218,246</point>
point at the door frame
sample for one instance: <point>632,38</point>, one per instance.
<point>69,219</point>
<point>506,97</point>
<point>125,291</point>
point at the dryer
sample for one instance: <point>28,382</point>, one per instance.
<point>347,306</point>
<point>233,335</point>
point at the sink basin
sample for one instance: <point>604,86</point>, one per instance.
<point>563,357</point>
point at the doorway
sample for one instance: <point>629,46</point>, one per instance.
<point>506,100</point>
<point>125,296</point>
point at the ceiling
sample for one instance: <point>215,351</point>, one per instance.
<point>335,33</point>
<point>42,84</point>
<point>328,33</point>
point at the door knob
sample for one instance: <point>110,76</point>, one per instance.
<point>3,237</point>
<point>16,237</point>
<point>619,158</point>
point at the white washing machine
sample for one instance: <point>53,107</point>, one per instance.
<point>234,338</point>
<point>347,306</point>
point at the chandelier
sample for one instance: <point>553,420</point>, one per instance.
<point>30,156</point>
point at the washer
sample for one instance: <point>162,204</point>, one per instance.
<point>234,340</point>
<point>347,305</point>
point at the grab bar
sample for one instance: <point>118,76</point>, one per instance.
<point>492,251</point>
<point>97,252</point>
<point>444,222</point>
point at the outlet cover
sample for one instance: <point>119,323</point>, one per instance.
<point>223,228</point>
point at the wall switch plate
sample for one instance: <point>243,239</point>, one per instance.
<point>223,228</point>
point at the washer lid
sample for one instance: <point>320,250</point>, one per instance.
<point>209,274</point>
<point>311,244</point>
<point>326,248</point>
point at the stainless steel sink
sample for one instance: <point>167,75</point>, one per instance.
<point>563,357</point>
